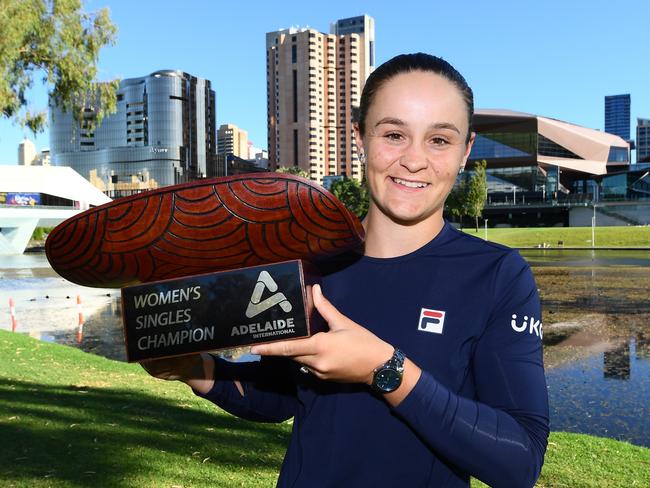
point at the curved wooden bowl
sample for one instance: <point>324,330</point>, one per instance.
<point>200,227</point>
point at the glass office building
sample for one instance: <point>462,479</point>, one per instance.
<point>163,133</point>
<point>536,158</point>
<point>643,140</point>
<point>617,115</point>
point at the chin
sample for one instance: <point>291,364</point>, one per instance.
<point>409,217</point>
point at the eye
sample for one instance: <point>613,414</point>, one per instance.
<point>393,136</point>
<point>439,141</point>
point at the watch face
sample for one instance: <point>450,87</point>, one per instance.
<point>387,380</point>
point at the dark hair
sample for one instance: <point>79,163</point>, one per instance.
<point>405,63</point>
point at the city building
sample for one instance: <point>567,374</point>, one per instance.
<point>617,115</point>
<point>232,140</point>
<point>259,156</point>
<point>643,140</point>
<point>314,83</point>
<point>163,133</point>
<point>44,158</point>
<point>364,25</point>
<point>27,154</point>
<point>548,164</point>
<point>237,166</point>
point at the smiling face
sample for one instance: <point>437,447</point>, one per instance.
<point>415,143</point>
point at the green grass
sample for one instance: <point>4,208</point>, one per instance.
<point>583,461</point>
<point>69,419</point>
<point>72,419</point>
<point>570,236</point>
<point>40,233</point>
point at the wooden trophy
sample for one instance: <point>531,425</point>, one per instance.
<point>211,264</point>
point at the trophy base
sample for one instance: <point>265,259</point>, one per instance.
<point>224,310</point>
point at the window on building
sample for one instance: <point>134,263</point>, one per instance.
<point>295,147</point>
<point>295,95</point>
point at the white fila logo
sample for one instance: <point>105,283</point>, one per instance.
<point>256,306</point>
<point>431,320</point>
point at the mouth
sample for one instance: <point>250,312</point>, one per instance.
<point>409,184</point>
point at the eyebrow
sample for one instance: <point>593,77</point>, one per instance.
<point>401,123</point>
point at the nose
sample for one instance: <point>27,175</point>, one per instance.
<point>414,158</point>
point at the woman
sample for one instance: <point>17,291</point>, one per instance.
<point>432,369</point>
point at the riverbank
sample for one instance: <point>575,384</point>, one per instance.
<point>69,418</point>
<point>596,320</point>
<point>568,237</point>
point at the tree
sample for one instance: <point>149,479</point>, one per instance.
<point>61,42</point>
<point>353,195</point>
<point>455,202</point>
<point>476,192</point>
<point>293,170</point>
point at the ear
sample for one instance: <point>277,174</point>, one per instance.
<point>358,138</point>
<point>468,149</point>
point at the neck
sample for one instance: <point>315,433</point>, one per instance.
<point>386,238</point>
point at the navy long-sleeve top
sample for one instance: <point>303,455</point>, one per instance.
<point>467,313</point>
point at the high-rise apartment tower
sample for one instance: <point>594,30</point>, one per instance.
<point>232,140</point>
<point>314,82</point>
<point>617,115</point>
<point>643,140</point>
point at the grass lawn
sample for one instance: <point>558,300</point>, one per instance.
<point>72,419</point>
<point>570,236</point>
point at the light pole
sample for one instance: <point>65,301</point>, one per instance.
<point>486,221</point>
<point>593,226</point>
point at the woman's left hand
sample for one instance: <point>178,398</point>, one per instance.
<point>348,353</point>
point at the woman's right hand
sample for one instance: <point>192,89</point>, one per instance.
<point>196,370</point>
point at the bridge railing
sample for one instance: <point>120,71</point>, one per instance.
<point>40,207</point>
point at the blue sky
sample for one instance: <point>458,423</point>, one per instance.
<point>557,58</point>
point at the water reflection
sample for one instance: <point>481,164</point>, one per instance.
<point>616,363</point>
<point>100,333</point>
<point>103,334</point>
<point>587,257</point>
<point>607,394</point>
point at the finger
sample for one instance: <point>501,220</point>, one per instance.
<point>332,316</point>
<point>297,347</point>
<point>309,361</point>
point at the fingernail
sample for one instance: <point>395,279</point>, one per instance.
<point>255,350</point>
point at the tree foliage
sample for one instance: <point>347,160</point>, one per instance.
<point>57,40</point>
<point>353,195</point>
<point>293,170</point>
<point>476,192</point>
<point>468,197</point>
<point>455,202</point>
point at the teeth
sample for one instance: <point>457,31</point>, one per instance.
<point>410,184</point>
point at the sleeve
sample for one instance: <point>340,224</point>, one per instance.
<point>269,389</point>
<point>500,436</point>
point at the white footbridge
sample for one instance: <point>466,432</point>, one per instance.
<point>52,183</point>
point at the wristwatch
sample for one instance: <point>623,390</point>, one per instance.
<point>388,376</point>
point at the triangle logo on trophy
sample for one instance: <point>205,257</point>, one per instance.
<point>256,305</point>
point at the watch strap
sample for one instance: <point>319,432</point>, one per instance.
<point>395,363</point>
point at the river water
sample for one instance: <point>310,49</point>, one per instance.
<point>596,330</point>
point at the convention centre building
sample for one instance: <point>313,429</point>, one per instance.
<point>539,168</point>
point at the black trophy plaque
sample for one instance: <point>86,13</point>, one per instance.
<point>220,310</point>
